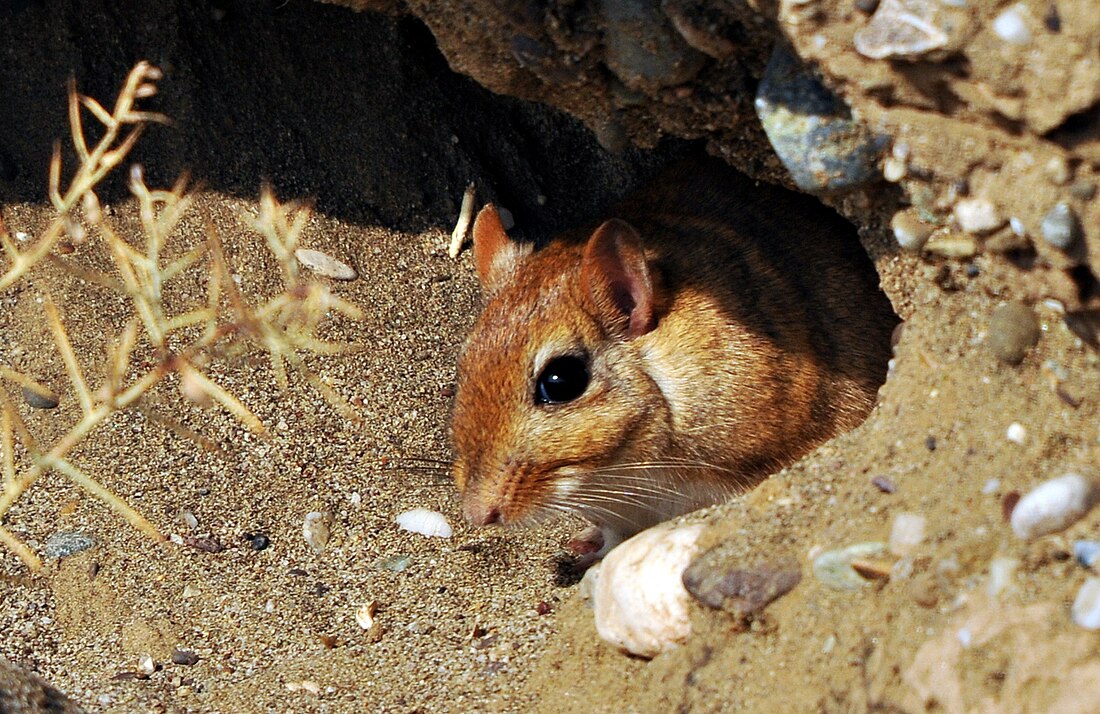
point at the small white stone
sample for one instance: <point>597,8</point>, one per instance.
<point>977,215</point>
<point>1001,572</point>
<point>1086,606</point>
<point>639,599</point>
<point>1011,26</point>
<point>326,265</point>
<point>893,170</point>
<point>146,666</point>
<point>317,529</point>
<point>910,231</point>
<point>188,519</point>
<point>964,636</point>
<point>425,522</point>
<point>1017,226</point>
<point>991,486</point>
<point>907,533</point>
<point>1016,433</point>
<point>1054,506</point>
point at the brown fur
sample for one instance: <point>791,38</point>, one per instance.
<point>730,328</point>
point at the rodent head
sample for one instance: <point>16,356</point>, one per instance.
<point>552,385</point>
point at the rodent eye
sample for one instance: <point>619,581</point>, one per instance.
<point>563,379</point>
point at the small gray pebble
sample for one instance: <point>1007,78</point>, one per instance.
<point>1086,552</point>
<point>41,400</point>
<point>1083,190</point>
<point>1060,226</point>
<point>184,657</point>
<point>66,543</point>
<point>1013,330</point>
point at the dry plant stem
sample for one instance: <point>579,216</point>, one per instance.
<point>107,154</point>
<point>21,550</point>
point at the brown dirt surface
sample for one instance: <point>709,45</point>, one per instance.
<point>361,113</point>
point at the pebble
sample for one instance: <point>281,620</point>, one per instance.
<point>1011,27</point>
<point>957,247</point>
<point>722,585</point>
<point>1086,552</point>
<point>907,533</point>
<point>258,541</point>
<point>1016,433</point>
<point>1054,506</point>
<point>642,50</point>
<point>1001,572</point>
<point>901,28</point>
<point>394,563</point>
<point>812,130</point>
<point>66,543</point>
<point>1060,227</point>
<point>427,523</point>
<point>834,567</point>
<point>884,484</point>
<point>184,657</point>
<point>638,596</point>
<point>188,519</point>
<point>1013,330</point>
<point>1086,606</point>
<point>40,398</point>
<point>977,215</point>
<point>317,529</point>
<point>325,265</point>
<point>909,230</point>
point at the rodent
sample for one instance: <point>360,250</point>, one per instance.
<point>711,332</point>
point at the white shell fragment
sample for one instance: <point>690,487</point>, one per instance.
<point>901,28</point>
<point>640,602</point>
<point>325,265</point>
<point>1016,433</point>
<point>317,529</point>
<point>907,533</point>
<point>834,567</point>
<point>364,616</point>
<point>425,522</point>
<point>1086,606</point>
<point>1054,506</point>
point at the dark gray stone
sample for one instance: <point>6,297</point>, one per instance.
<point>642,50</point>
<point>812,130</point>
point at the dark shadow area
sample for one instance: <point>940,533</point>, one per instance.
<point>360,111</point>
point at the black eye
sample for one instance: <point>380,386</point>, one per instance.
<point>563,379</point>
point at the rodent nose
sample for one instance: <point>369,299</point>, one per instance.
<point>483,515</point>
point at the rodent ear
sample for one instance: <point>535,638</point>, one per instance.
<point>615,273</point>
<point>495,256</point>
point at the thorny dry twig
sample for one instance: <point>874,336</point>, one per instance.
<point>283,326</point>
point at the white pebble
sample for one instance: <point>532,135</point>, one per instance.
<point>991,486</point>
<point>326,265</point>
<point>965,636</point>
<point>1016,433</point>
<point>1017,226</point>
<point>907,533</point>
<point>1010,26</point>
<point>1086,606</point>
<point>977,215</point>
<point>1001,572</point>
<point>893,170</point>
<point>1054,506</point>
<point>640,602</point>
<point>317,529</point>
<point>425,522</point>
